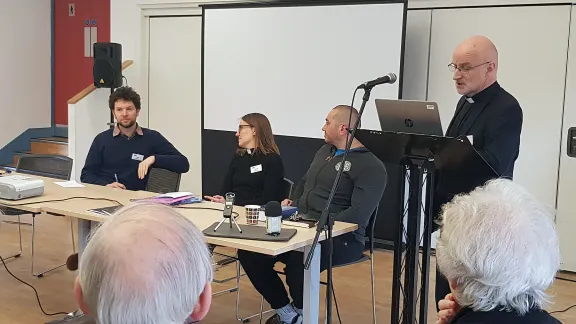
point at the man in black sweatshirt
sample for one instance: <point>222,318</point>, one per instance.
<point>358,194</point>
<point>122,156</point>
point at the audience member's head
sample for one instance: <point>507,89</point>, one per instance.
<point>337,124</point>
<point>475,65</point>
<point>125,104</point>
<point>498,248</point>
<point>147,264</point>
<point>255,132</point>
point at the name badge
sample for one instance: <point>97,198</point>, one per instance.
<point>137,157</point>
<point>256,168</point>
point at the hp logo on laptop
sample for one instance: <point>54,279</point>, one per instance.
<point>408,122</point>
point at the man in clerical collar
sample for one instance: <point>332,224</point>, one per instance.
<point>122,156</point>
<point>486,114</point>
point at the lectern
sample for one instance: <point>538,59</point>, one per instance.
<point>458,168</point>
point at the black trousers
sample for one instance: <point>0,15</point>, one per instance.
<point>442,287</point>
<point>260,269</point>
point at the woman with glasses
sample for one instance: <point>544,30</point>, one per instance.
<point>256,173</point>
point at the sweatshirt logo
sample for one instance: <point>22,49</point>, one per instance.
<point>347,166</point>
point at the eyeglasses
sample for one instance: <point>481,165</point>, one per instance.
<point>465,69</point>
<point>240,127</point>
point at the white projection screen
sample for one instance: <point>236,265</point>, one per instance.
<point>294,63</point>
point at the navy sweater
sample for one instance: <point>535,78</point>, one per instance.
<point>120,155</point>
<point>255,179</point>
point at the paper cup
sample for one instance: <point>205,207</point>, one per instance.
<point>252,213</point>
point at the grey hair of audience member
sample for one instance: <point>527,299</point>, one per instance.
<point>498,248</point>
<point>146,264</point>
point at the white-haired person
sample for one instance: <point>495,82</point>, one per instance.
<point>499,250</point>
<point>147,264</point>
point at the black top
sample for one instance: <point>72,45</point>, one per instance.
<point>535,316</point>
<point>113,154</point>
<point>255,179</point>
<point>359,191</point>
<point>494,119</point>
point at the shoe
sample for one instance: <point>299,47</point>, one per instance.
<point>276,320</point>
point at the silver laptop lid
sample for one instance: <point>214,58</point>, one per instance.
<point>409,116</point>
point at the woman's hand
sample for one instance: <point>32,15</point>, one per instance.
<point>448,309</point>
<point>286,202</point>
<point>216,199</point>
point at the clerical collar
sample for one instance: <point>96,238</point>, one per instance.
<point>484,94</point>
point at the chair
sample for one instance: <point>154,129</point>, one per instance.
<point>289,185</point>
<point>163,181</point>
<point>44,165</point>
<point>365,257</point>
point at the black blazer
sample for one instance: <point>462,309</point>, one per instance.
<point>495,122</point>
<point>536,316</point>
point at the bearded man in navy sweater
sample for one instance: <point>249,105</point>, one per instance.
<point>122,156</point>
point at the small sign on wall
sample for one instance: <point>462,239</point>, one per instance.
<point>71,10</point>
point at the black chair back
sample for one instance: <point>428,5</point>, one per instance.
<point>163,181</point>
<point>289,185</point>
<point>46,165</point>
<point>370,229</point>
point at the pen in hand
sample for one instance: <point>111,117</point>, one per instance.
<point>116,177</point>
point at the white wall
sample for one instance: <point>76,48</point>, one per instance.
<point>175,89</point>
<point>84,123</point>
<point>565,220</point>
<point>25,67</point>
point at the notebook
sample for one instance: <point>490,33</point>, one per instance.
<point>106,211</point>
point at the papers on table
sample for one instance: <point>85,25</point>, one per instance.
<point>70,184</point>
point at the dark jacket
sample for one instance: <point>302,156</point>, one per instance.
<point>494,121</point>
<point>255,179</point>
<point>359,191</point>
<point>536,316</point>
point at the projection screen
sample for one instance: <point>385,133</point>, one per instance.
<point>295,63</point>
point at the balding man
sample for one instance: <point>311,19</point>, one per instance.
<point>147,264</point>
<point>359,192</point>
<point>486,113</point>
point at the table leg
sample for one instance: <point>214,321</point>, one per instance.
<point>312,287</point>
<point>84,228</point>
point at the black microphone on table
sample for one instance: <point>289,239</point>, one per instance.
<point>273,212</point>
<point>389,78</point>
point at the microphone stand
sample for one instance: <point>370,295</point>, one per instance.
<point>326,222</point>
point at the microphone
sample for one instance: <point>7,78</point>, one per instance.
<point>228,205</point>
<point>389,78</point>
<point>273,212</point>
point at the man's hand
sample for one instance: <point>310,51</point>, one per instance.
<point>448,309</point>
<point>145,165</point>
<point>286,202</point>
<point>217,199</point>
<point>116,185</point>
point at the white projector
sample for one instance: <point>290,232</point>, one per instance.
<point>16,187</point>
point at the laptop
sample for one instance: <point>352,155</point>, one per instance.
<point>409,116</point>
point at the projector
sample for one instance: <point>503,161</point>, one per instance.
<point>17,187</point>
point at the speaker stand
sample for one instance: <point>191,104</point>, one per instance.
<point>111,123</point>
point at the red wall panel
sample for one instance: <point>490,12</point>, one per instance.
<point>73,71</point>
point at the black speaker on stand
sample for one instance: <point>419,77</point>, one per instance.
<point>107,69</point>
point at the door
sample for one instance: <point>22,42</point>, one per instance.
<point>174,83</point>
<point>77,25</point>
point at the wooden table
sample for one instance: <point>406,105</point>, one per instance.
<point>75,202</point>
